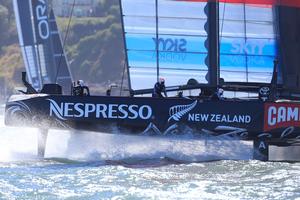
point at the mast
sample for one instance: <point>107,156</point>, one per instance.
<point>213,38</point>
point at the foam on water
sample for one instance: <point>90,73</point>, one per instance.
<point>94,146</point>
<point>21,144</point>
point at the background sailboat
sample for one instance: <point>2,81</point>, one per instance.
<point>41,45</point>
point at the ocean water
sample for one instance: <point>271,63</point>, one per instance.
<point>101,166</point>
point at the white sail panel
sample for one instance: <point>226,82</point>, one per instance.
<point>247,43</point>
<point>177,29</point>
<point>44,72</point>
<point>30,63</point>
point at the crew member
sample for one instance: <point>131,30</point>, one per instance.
<point>180,94</point>
<point>80,89</point>
<point>218,95</point>
<point>159,88</point>
<point>108,92</point>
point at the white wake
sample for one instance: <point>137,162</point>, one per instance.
<point>21,144</point>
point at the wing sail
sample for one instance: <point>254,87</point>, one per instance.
<point>165,39</point>
<point>248,43</point>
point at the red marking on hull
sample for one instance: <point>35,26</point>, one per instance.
<point>281,115</point>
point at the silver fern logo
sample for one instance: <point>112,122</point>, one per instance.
<point>177,112</point>
<point>18,108</point>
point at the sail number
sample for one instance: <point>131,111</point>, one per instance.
<point>42,20</point>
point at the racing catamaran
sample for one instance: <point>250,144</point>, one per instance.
<point>246,47</point>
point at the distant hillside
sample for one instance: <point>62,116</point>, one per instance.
<point>94,46</point>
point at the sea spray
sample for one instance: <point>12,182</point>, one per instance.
<point>95,146</point>
<point>21,144</point>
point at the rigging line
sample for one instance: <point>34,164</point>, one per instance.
<point>221,35</point>
<point>222,24</point>
<point>246,38</point>
<point>65,39</point>
<point>123,76</point>
<point>157,41</point>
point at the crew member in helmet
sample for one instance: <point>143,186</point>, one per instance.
<point>218,95</point>
<point>80,89</point>
<point>159,88</point>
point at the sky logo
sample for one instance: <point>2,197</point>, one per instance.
<point>263,47</point>
<point>171,44</point>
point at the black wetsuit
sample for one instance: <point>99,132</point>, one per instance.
<point>158,89</point>
<point>80,91</point>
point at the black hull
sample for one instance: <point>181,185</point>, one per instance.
<point>244,119</point>
<point>266,123</point>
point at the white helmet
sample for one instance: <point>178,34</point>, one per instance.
<point>161,80</point>
<point>80,82</point>
<point>220,92</point>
